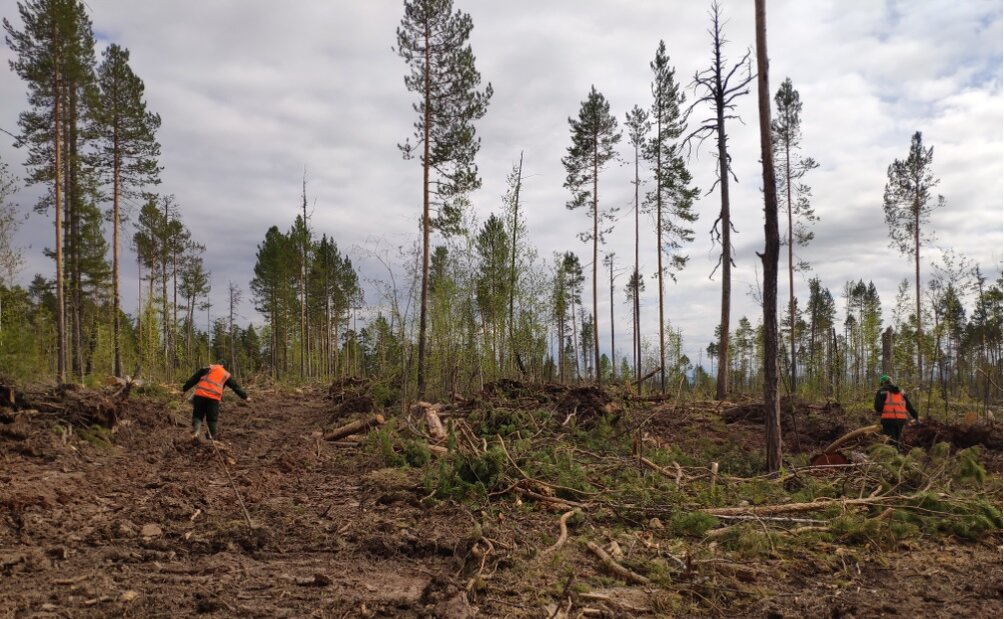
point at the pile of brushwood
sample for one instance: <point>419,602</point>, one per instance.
<point>589,456</point>
<point>67,403</point>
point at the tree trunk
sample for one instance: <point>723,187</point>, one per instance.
<point>916,256</point>
<point>512,266</point>
<point>636,332</point>
<point>304,338</point>
<point>791,265</point>
<point>771,249</point>
<point>722,385</point>
<point>424,301</point>
<point>613,356</point>
<point>596,255</point>
<point>658,249</point>
<point>116,303</point>
<point>57,201</point>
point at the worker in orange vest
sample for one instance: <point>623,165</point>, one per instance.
<point>209,383</point>
<point>891,402</point>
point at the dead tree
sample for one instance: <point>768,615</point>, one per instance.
<point>715,83</point>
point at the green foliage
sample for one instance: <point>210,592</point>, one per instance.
<point>691,524</point>
<point>98,436</point>
<point>967,466</point>
<point>749,540</point>
<point>463,476</point>
<point>490,421</point>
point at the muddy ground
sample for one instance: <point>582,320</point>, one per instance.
<point>143,522</point>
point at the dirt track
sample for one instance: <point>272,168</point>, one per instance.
<point>109,531</point>
<point>147,525</point>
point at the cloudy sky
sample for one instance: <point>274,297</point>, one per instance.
<point>250,94</point>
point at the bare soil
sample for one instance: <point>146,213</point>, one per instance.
<point>144,522</point>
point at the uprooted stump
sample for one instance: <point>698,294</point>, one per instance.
<point>74,404</point>
<point>350,395</point>
<point>753,412</point>
<point>931,432</point>
<point>588,405</point>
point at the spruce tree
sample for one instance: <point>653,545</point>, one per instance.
<point>127,150</point>
<point>594,138</point>
<point>433,40</point>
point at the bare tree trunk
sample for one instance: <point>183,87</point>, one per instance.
<point>791,265</point>
<point>916,257</point>
<point>887,351</point>
<point>424,301</point>
<point>57,201</point>
<point>772,245</point>
<point>722,386</point>
<point>613,356</point>
<point>304,338</point>
<point>658,250</point>
<point>596,256</point>
<point>116,336</point>
<point>139,306</point>
<point>512,266</point>
<point>635,322</point>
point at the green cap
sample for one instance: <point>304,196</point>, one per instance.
<point>223,362</point>
<point>884,379</point>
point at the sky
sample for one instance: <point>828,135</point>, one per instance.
<point>251,95</point>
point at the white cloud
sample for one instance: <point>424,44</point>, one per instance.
<point>251,94</point>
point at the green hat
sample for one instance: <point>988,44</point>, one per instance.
<point>223,362</point>
<point>884,379</point>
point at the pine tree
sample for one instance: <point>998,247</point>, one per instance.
<point>721,93</point>
<point>50,54</point>
<point>127,150</point>
<point>792,167</point>
<point>594,136</point>
<point>908,203</point>
<point>638,126</point>
<point>432,40</point>
<point>672,198</point>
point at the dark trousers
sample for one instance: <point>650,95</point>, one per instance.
<point>893,428</point>
<point>208,409</point>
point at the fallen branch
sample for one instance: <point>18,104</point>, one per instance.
<point>769,510</point>
<point>773,519</point>
<point>563,525</point>
<point>354,427</point>
<point>616,567</point>
<point>566,503</point>
<point>852,435</point>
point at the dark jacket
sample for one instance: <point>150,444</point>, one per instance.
<point>230,383</point>
<point>880,399</point>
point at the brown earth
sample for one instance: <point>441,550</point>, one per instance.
<point>142,522</point>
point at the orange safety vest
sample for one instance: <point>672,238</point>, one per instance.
<point>895,406</point>
<point>211,385</point>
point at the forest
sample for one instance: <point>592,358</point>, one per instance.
<point>475,377</point>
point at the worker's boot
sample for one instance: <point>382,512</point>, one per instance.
<point>196,426</point>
